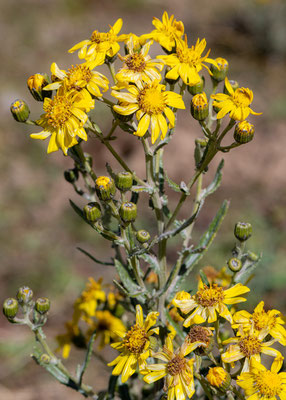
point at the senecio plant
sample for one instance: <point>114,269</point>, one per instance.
<point>171,343</point>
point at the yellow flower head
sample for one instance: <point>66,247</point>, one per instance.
<point>79,77</point>
<point>106,326</point>
<point>138,41</point>
<point>100,44</point>
<point>267,321</point>
<point>167,31</point>
<point>176,369</point>
<point>218,377</point>
<point>36,82</point>
<point>187,62</point>
<point>87,303</point>
<point>134,346</point>
<point>210,301</point>
<point>64,118</point>
<point>236,103</point>
<point>261,383</point>
<point>138,65</point>
<point>249,346</point>
<point>149,101</point>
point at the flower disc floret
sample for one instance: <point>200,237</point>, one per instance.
<point>177,365</point>
<point>250,345</point>
<point>210,296</point>
<point>135,339</point>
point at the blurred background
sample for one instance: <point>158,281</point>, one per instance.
<point>39,232</point>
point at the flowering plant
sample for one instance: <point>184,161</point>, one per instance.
<point>168,340</point>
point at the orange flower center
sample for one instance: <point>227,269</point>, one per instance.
<point>135,339</point>
<point>176,365</point>
<point>151,100</point>
<point>135,62</point>
<point>210,296</point>
<point>58,111</point>
<point>78,77</point>
<point>250,345</point>
<point>268,383</point>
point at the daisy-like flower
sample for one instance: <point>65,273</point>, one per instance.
<point>176,370</point>
<point>64,118</point>
<point>106,325</point>
<point>263,384</point>
<point>138,41</point>
<point>249,346</point>
<point>149,101</point>
<point>267,321</point>
<point>87,303</point>
<point>138,65</point>
<point>167,31</point>
<point>209,302</point>
<point>236,103</point>
<point>79,77</point>
<point>187,62</point>
<point>134,346</point>
<point>100,44</point>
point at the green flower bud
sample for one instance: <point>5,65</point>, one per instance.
<point>143,236</point>
<point>24,295</point>
<point>233,84</point>
<point>242,231</point>
<point>219,74</point>
<point>198,88</point>
<point>105,188</point>
<point>128,211</point>
<point>124,181</point>
<point>42,305</point>
<point>20,110</point>
<point>10,308</point>
<point>71,175</point>
<point>200,106</point>
<point>92,212</point>
<point>244,132</point>
<point>36,84</point>
<point>234,264</point>
<point>45,359</point>
<point>252,256</point>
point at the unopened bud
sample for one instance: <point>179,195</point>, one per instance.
<point>10,308</point>
<point>234,264</point>
<point>142,236</point>
<point>124,181</point>
<point>24,295</point>
<point>20,110</point>
<point>219,378</point>
<point>233,84</point>
<point>252,256</point>
<point>198,88</point>
<point>105,188</point>
<point>42,305</point>
<point>244,132</point>
<point>242,231</point>
<point>92,211</point>
<point>200,106</point>
<point>45,359</point>
<point>71,175</point>
<point>36,84</point>
<point>219,73</point>
<point>128,211</point>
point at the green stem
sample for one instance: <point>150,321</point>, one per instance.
<point>204,385</point>
<point>210,117</point>
<point>112,71</point>
<point>114,126</point>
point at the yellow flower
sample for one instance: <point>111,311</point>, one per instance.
<point>138,41</point>
<point>176,369</point>
<point>64,118</point>
<point>138,65</point>
<point>79,77</point>
<point>87,302</point>
<point>134,347</point>
<point>236,103</point>
<point>263,384</point>
<point>267,321</point>
<point>106,326</point>
<point>150,101</point>
<point>167,31</point>
<point>202,334</point>
<point>219,378</point>
<point>249,346</point>
<point>72,336</point>
<point>187,62</point>
<point>100,44</point>
<point>208,301</point>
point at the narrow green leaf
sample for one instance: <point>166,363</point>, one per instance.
<point>95,259</point>
<point>138,189</point>
<point>78,210</point>
<point>152,261</point>
<point>87,358</point>
<point>204,278</point>
<point>110,171</point>
<point>174,186</point>
<point>214,185</point>
<point>247,268</point>
<point>204,243</point>
<point>131,287</point>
